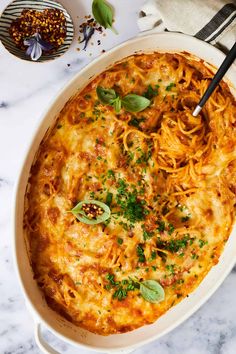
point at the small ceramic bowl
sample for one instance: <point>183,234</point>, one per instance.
<point>14,9</point>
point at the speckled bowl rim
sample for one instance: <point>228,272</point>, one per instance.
<point>44,58</point>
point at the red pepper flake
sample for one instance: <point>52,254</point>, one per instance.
<point>49,23</point>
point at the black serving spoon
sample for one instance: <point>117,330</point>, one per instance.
<point>231,56</point>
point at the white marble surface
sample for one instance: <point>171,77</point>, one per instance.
<point>26,89</point>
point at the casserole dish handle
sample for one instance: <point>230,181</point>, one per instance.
<point>47,349</point>
<point>40,341</point>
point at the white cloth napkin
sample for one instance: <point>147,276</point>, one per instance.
<point>213,21</point>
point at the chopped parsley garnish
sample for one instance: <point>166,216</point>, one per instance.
<point>140,253</point>
<point>191,239</point>
<point>135,122</point>
<point>99,158</point>
<point>121,287</point>
<point>132,208</point>
<point>151,92</point>
<point>109,198</point>
<point>130,155</point>
<point>171,229</point>
<point>171,268</point>
<point>111,277</point>
<point>120,293</point>
<point>147,234</point>
<point>96,113</point>
<point>169,87</point>
<point>153,255</point>
<point>194,256</point>
<point>124,225</point>
<point>110,174</point>
<point>119,241</point>
<point>202,243</point>
<point>122,186</point>
<point>161,226</point>
<point>174,246</point>
<point>185,218</point>
<point>144,156</point>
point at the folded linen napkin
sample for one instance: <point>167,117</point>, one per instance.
<point>213,21</point>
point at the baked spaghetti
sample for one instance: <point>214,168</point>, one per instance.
<point>167,181</point>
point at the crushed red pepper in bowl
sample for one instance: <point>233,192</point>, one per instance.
<point>49,23</point>
<point>36,30</point>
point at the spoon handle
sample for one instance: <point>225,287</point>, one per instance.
<point>229,59</point>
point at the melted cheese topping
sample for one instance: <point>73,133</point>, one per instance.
<point>172,181</point>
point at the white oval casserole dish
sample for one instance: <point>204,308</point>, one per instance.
<point>122,343</point>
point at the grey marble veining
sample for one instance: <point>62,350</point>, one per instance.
<point>25,91</point>
<point>3,105</point>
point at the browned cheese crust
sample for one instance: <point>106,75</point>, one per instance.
<point>178,170</point>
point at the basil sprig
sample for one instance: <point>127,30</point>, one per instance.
<point>152,291</point>
<point>131,102</point>
<point>103,14</point>
<point>106,95</point>
<point>81,215</point>
<point>135,103</point>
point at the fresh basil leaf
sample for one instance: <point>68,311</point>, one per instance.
<point>117,104</point>
<point>83,217</point>
<point>131,102</point>
<point>135,103</point>
<point>109,198</point>
<point>103,13</point>
<point>105,95</point>
<point>151,92</point>
<point>152,291</point>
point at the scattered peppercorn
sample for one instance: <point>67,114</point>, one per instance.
<point>91,23</point>
<point>88,28</point>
